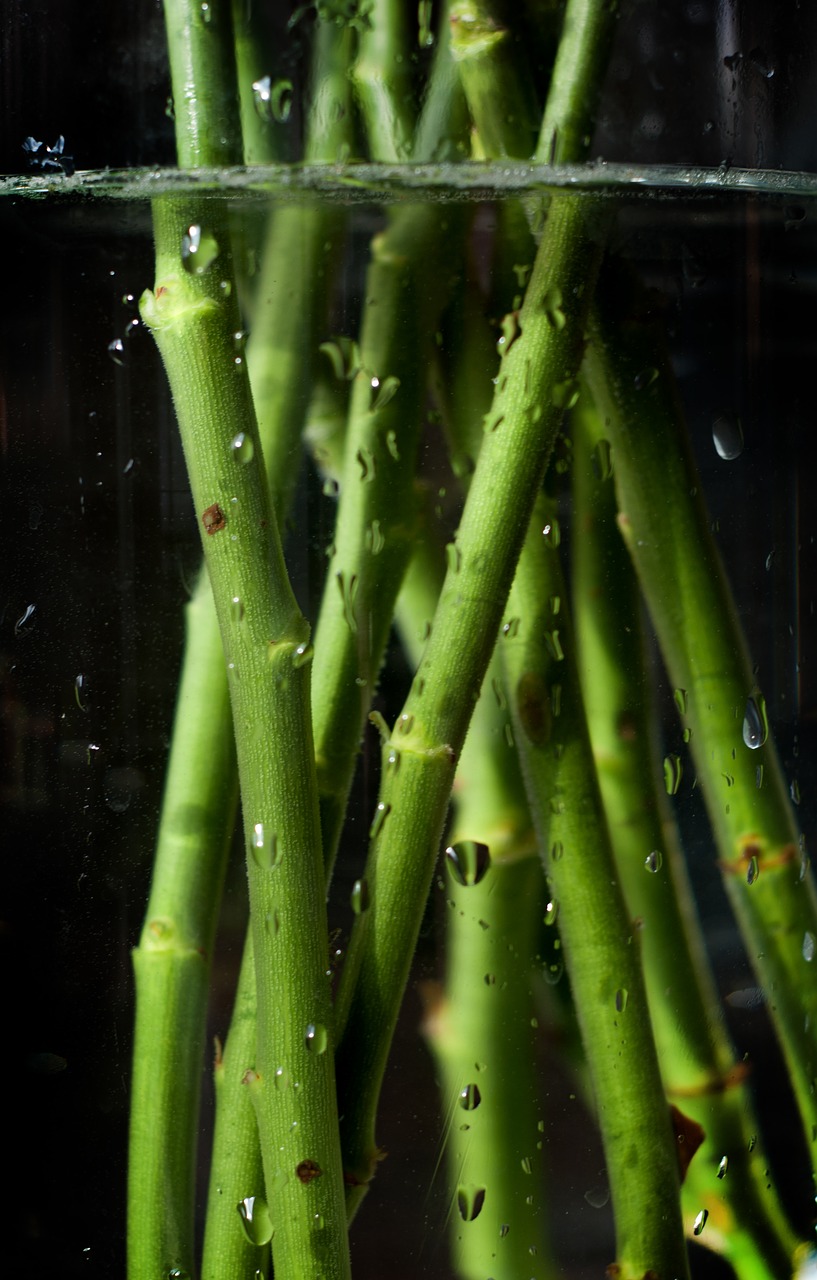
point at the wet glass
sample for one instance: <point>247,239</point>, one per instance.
<point>103,553</point>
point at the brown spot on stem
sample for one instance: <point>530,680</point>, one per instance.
<point>218,1055</point>
<point>533,705</point>
<point>213,519</point>
<point>307,1171</point>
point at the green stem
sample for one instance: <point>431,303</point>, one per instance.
<point>382,79</point>
<point>442,129</point>
<point>172,961</point>
<point>495,80</point>
<point>728,1176</point>
<point>600,946</point>
<point>666,530</point>
<point>235,1246</point>
<point>405,286</point>
<point>266,644</point>
<point>202,71</point>
<point>578,74</point>
<point>535,383</point>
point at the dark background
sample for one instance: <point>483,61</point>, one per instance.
<point>101,540</point>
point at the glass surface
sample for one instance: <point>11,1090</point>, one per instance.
<point>101,554</point>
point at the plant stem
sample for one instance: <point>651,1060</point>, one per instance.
<point>578,73</point>
<point>382,79</point>
<point>535,382</point>
<point>405,286</point>
<point>495,80</point>
<point>728,1176</point>
<point>266,643</point>
<point>601,950</point>
<point>172,961</point>
<point>202,72</point>
<point>237,1172</point>
<point>665,528</point>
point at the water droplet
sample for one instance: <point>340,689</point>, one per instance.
<point>755,722</point>
<point>794,791</point>
<point>490,979</point>
<point>565,394</point>
<point>199,250</point>
<point>237,609</point>
<point>554,312</point>
<point>375,542</point>
<point>554,646</point>
<point>255,1219</point>
<point>381,813</point>
<point>470,1201</point>
<point>470,1097</point>
<point>752,870</point>
<point>510,629</point>
<point>552,534</point>
<point>645,379</point>
<point>654,860</point>
<point>599,1196</point>
<point>242,448</point>
<point>348,593</point>
<point>116,350</point>
<point>383,390</point>
<point>621,999</point>
<point>206,13</point>
<point>511,330</point>
<point>273,101</point>
<point>526,1165</point>
<point>303,654</point>
<point>503,1230</point>
<point>265,851</point>
<point>681,701</point>
<point>723,1166</point>
<point>176,1273</point>
<point>359,897</point>
<point>808,947</point>
<point>602,460</point>
<point>453,557</point>
<point>727,436</point>
<point>551,912</point>
<point>367,463</point>
<point>405,723</point>
<point>673,772</point>
<point>700,1222</point>
<point>281,1078</point>
<point>556,851</point>
<point>468,861</point>
<point>316,1038</point>
<point>553,971</point>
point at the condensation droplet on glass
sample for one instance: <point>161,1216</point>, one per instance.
<point>468,861</point>
<point>752,870</point>
<point>359,897</point>
<point>503,1230</point>
<point>551,912</point>
<point>808,947</point>
<point>601,460</point>
<point>242,448</point>
<point>645,378</point>
<point>405,724</point>
<point>453,557</point>
<point>375,541</point>
<point>654,860</point>
<point>621,999</point>
<point>755,722</point>
<point>700,1222</point>
<point>383,391</point>
<point>723,1166</point>
<point>316,1038</point>
<point>556,850</point>
<point>794,791</point>
<point>552,534</point>
<point>554,311</point>
<point>255,1219</point>
<point>681,701</point>
<point>469,1097</point>
<point>116,350</point>
<point>199,250</point>
<point>381,813</point>
<point>470,1200</point>
<point>553,645</point>
<point>727,436</point>
<point>673,772</point>
<point>510,629</point>
<point>526,1165</point>
<point>303,654</point>
<point>565,394</point>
